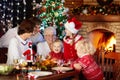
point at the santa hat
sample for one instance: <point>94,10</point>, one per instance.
<point>73,25</point>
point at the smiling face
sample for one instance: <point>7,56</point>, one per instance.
<point>57,47</point>
<point>50,35</point>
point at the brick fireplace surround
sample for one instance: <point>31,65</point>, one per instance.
<point>110,23</point>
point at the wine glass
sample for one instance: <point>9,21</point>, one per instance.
<point>15,63</point>
<point>38,58</point>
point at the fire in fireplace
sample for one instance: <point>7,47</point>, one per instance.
<point>101,38</point>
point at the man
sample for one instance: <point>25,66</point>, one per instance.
<point>37,37</point>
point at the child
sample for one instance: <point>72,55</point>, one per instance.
<point>72,27</point>
<point>56,54</point>
<point>85,62</point>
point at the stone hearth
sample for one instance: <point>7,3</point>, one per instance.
<point>114,27</point>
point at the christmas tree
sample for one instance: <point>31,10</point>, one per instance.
<point>52,13</point>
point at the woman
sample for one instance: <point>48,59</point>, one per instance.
<point>43,48</point>
<point>19,44</point>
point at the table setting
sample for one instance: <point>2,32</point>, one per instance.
<point>37,69</point>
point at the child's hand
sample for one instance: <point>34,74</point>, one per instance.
<point>77,66</point>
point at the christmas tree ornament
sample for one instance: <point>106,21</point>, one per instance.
<point>85,11</point>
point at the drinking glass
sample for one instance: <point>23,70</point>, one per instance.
<point>15,61</point>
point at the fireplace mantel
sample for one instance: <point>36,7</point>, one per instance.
<point>99,18</point>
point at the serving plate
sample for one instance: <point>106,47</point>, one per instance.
<point>62,68</point>
<point>40,73</point>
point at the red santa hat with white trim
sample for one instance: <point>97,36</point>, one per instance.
<point>73,25</point>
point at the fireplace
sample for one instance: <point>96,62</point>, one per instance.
<point>110,27</point>
<point>103,39</point>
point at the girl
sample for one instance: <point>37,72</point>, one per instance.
<point>56,55</point>
<point>85,62</point>
<point>72,27</point>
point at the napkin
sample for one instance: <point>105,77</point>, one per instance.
<point>32,76</point>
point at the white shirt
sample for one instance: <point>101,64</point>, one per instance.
<point>16,48</point>
<point>5,39</point>
<point>43,49</point>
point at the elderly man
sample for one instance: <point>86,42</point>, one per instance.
<point>43,48</point>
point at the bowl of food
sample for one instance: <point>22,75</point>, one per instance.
<point>5,69</point>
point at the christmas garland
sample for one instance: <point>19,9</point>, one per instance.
<point>104,2</point>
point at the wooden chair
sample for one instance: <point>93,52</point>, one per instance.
<point>106,64</point>
<point>116,66</point>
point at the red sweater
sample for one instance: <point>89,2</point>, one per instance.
<point>56,55</point>
<point>90,69</point>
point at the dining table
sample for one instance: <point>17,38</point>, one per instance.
<point>55,76</point>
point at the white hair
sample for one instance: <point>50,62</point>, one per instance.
<point>50,29</point>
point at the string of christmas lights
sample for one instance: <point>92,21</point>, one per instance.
<point>12,12</point>
<point>112,9</point>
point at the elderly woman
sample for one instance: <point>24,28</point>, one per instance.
<point>43,48</point>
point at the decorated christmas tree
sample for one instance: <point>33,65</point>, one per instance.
<point>52,13</point>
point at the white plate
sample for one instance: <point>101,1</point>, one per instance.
<point>62,68</point>
<point>40,73</point>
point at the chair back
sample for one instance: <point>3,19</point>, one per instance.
<point>116,65</point>
<point>109,63</point>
